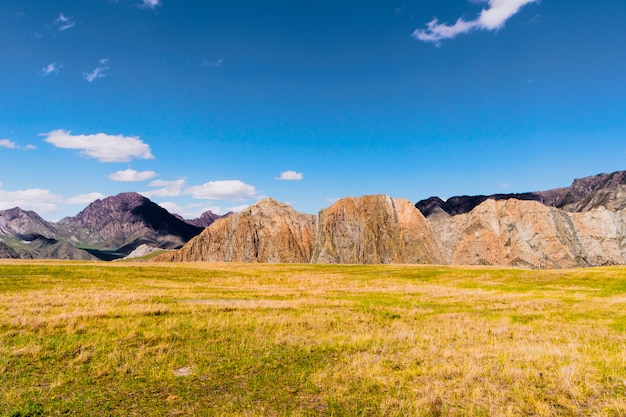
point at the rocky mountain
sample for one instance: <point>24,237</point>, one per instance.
<point>581,225</point>
<point>24,234</point>
<point>529,234</point>
<point>267,231</point>
<point>602,190</point>
<point>123,222</point>
<point>106,229</point>
<point>23,224</point>
<point>373,229</point>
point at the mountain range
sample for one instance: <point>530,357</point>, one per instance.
<point>107,229</point>
<point>580,225</point>
<point>577,226</point>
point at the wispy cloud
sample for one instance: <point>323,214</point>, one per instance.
<point>505,185</point>
<point>103,147</point>
<point>98,72</point>
<point>9,144</point>
<point>149,4</point>
<point>85,198</point>
<point>213,64</point>
<point>40,200</point>
<point>52,68</point>
<point>290,176</point>
<point>130,175</point>
<point>234,190</point>
<point>492,18</point>
<point>63,22</point>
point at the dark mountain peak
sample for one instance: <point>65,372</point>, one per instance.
<point>205,220</point>
<point>125,221</point>
<point>606,190</point>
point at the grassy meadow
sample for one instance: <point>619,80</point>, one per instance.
<point>141,339</point>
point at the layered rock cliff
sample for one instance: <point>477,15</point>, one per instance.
<point>373,229</point>
<point>529,234</point>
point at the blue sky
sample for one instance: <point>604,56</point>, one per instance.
<point>213,105</point>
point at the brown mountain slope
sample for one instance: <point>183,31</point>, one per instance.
<point>267,231</point>
<point>373,229</point>
<point>529,234</point>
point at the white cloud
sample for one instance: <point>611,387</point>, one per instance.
<point>130,175</point>
<point>222,190</point>
<point>85,198</point>
<point>64,22</point>
<point>290,176</point>
<point>150,4</point>
<point>505,185</point>
<point>52,68</point>
<point>492,18</point>
<point>36,199</point>
<point>103,147</point>
<point>166,188</point>
<point>29,147</point>
<point>98,72</point>
<point>6,143</point>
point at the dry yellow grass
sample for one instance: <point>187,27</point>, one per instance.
<point>263,340</point>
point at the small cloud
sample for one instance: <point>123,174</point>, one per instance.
<point>85,198</point>
<point>149,4</point>
<point>213,64</point>
<point>505,185</point>
<point>37,199</point>
<point>29,147</point>
<point>64,22</point>
<point>333,200</point>
<point>52,68</point>
<point>6,143</point>
<point>103,147</point>
<point>222,190</point>
<point>492,18</point>
<point>290,176</point>
<point>534,20</point>
<point>98,72</point>
<point>166,188</point>
<point>130,175</point>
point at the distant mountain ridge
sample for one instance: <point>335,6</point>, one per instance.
<point>608,190</point>
<point>106,229</point>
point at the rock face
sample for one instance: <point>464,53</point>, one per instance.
<point>126,221</point>
<point>373,229</point>
<point>530,234</point>
<point>267,231</point>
